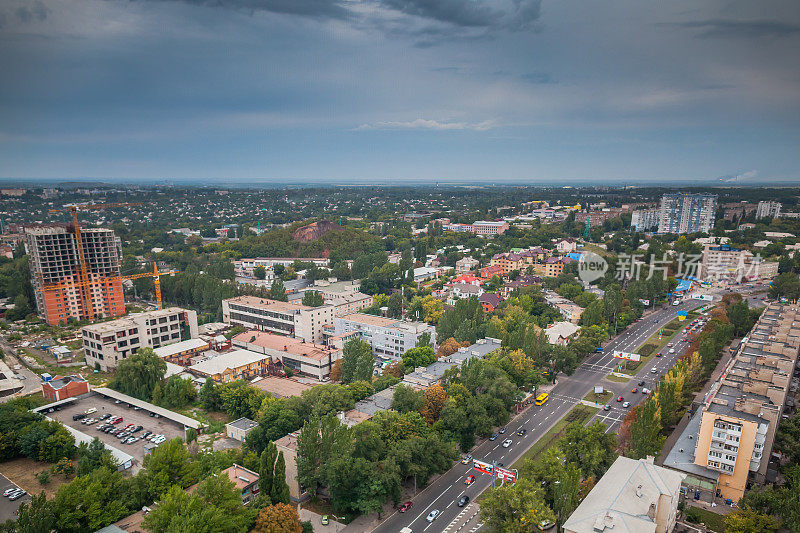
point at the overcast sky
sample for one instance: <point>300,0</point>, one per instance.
<point>361,90</point>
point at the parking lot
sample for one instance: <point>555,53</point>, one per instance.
<point>7,507</point>
<point>129,415</point>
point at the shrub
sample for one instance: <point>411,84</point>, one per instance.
<point>43,477</point>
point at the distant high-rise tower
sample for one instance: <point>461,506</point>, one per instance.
<point>769,209</point>
<point>55,272</point>
<point>687,213</point>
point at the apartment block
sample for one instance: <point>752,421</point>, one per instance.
<point>107,343</point>
<point>480,227</point>
<point>306,358</point>
<point>55,273</point>
<point>687,213</point>
<point>734,265</point>
<point>769,209</point>
<point>389,338</point>
<point>284,318</point>
<point>598,218</point>
<point>645,219</point>
<point>729,439</point>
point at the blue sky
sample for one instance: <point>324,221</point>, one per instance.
<point>390,90</point>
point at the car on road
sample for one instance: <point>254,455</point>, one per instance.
<point>506,443</point>
<point>626,404</point>
<point>470,480</point>
<point>405,507</point>
<point>493,437</point>
<point>501,430</point>
<point>672,350</point>
<point>466,459</point>
<point>654,370</point>
<point>645,391</point>
<point>620,398</point>
<point>658,354</point>
<point>521,432</point>
<point>606,408</point>
<point>324,520</point>
<point>634,390</point>
<point>641,383</point>
<point>432,515</point>
<point>464,500</point>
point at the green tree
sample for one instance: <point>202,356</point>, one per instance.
<point>416,357</point>
<point>357,361</point>
<point>209,396</point>
<point>645,430</point>
<point>278,292</point>
<point>280,489</point>
<point>747,520</point>
<point>516,508</point>
<point>313,298</point>
<point>406,399</point>
<point>260,272</point>
<point>169,465</point>
<point>138,375</point>
<point>92,456</point>
<point>267,471</point>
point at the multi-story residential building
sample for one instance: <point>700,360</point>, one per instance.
<point>493,270</point>
<point>305,358</point>
<point>63,387</point>
<point>244,267</point>
<point>54,263</point>
<point>105,344</point>
<point>566,246</point>
<point>728,441</point>
<point>480,227</point>
<point>769,209</point>
<point>552,268</point>
<point>633,495</point>
<point>645,219</point>
<point>466,265</point>
<point>232,366</point>
<point>598,218</point>
<point>734,265</point>
<point>687,213</point>
<point>344,296</point>
<point>389,338</point>
<point>284,318</point>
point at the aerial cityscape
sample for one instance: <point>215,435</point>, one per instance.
<point>399,266</point>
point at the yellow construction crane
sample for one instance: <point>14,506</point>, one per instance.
<point>84,271</point>
<point>156,281</point>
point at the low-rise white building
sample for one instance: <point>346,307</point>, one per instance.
<point>561,332</point>
<point>295,320</point>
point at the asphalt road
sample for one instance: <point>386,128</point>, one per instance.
<point>444,493</point>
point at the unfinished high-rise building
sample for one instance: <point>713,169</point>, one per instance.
<point>56,274</point>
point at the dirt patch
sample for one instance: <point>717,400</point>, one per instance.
<point>218,416</point>
<point>22,472</point>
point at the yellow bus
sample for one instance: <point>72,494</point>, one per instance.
<point>541,398</point>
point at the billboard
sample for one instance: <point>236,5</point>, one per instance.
<point>507,475</point>
<point>480,466</point>
<point>627,356</point>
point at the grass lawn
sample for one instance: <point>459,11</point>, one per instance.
<point>618,379</point>
<point>579,413</point>
<point>589,247</point>
<point>714,521</point>
<point>23,472</point>
<point>598,398</point>
<point>670,330</point>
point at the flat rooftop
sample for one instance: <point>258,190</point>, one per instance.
<point>282,343</point>
<point>229,360</point>
<point>128,321</point>
<point>266,303</point>
<point>280,387</point>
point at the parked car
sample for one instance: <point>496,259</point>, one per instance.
<point>17,495</point>
<point>79,416</point>
<point>501,430</point>
<point>493,437</point>
<point>146,434</point>
<point>467,459</point>
<point>405,507</point>
<point>9,491</point>
<point>91,410</point>
<point>634,390</point>
<point>620,398</point>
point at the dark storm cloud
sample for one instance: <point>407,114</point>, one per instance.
<point>305,8</point>
<point>739,28</point>
<point>470,13</point>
